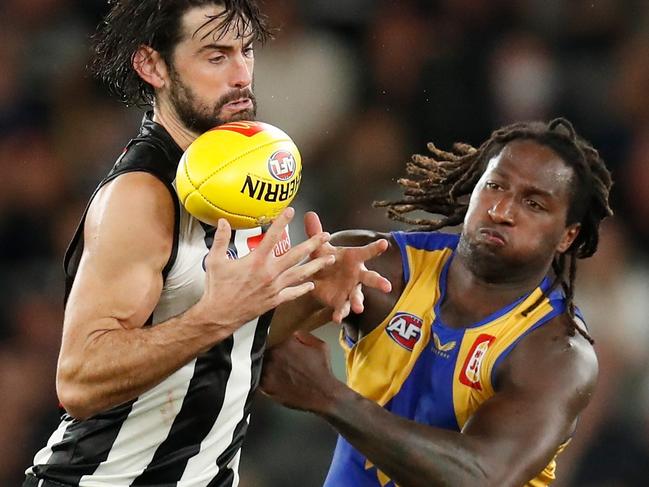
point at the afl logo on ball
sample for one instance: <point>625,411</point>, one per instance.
<point>281,165</point>
<point>405,329</point>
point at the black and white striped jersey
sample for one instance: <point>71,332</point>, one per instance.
<point>188,430</point>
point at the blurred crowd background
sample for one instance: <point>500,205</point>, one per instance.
<point>360,85</point>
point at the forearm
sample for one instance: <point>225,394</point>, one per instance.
<point>411,454</point>
<point>304,313</point>
<point>114,364</point>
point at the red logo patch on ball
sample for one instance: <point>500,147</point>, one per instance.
<point>281,165</point>
<point>244,128</point>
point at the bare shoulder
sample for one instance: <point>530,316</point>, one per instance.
<point>552,359</point>
<point>128,238</point>
<point>133,212</point>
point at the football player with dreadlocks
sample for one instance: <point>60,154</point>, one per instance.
<point>474,369</point>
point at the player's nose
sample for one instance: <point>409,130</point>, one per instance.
<point>502,211</point>
<point>241,76</point>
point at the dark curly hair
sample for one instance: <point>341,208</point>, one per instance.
<point>439,183</point>
<point>156,23</point>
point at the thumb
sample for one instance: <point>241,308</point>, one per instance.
<point>312,224</point>
<point>221,239</point>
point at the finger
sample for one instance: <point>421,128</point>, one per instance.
<point>221,240</point>
<point>312,224</point>
<point>341,312</point>
<point>356,299</point>
<point>292,273</point>
<point>372,250</point>
<point>376,281</point>
<point>307,248</point>
<point>301,273</point>
<point>275,231</point>
<point>294,292</point>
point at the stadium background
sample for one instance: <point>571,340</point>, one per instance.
<point>359,84</point>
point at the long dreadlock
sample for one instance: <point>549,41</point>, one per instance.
<point>441,182</point>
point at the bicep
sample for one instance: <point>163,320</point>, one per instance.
<point>516,435</point>
<point>128,234</point>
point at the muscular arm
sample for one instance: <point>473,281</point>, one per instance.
<point>543,386</point>
<point>107,355</point>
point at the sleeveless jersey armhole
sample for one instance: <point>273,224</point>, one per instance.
<point>75,248</point>
<point>558,308</point>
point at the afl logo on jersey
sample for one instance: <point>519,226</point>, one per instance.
<point>405,329</point>
<point>281,165</point>
<point>470,374</point>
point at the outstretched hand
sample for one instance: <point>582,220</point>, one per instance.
<point>237,291</point>
<point>340,286</point>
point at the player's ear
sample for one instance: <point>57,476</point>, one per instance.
<point>150,66</point>
<point>569,236</point>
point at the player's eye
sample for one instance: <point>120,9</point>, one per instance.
<point>535,205</point>
<point>217,59</point>
<point>248,51</point>
<point>492,185</point>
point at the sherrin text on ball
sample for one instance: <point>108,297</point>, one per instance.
<point>246,172</point>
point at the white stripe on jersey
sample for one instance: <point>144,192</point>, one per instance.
<point>234,465</point>
<point>202,468</point>
<point>146,426</point>
<point>44,454</point>
<point>241,240</point>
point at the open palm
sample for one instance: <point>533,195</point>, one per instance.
<point>340,286</point>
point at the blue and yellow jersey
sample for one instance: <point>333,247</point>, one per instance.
<point>415,366</point>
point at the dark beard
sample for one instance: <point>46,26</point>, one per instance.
<point>489,266</point>
<point>184,103</point>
